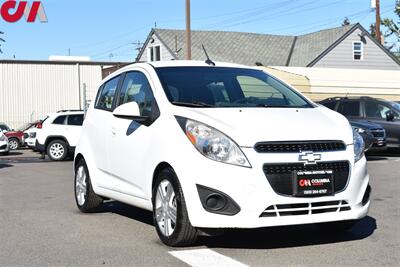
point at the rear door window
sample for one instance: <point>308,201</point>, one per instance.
<point>75,120</point>
<point>349,108</point>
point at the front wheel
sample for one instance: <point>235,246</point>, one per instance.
<point>86,199</point>
<point>169,211</point>
<point>13,143</point>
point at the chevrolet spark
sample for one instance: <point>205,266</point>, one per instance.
<point>207,147</point>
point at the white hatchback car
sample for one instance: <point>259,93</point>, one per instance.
<point>211,147</point>
<point>4,147</point>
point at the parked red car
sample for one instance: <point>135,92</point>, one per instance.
<point>15,138</point>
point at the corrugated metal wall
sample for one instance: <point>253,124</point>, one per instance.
<point>30,91</point>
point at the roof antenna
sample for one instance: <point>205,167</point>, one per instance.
<point>208,61</point>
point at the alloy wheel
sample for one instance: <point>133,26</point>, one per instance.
<point>80,185</point>
<point>166,208</point>
<point>57,150</point>
<point>13,144</point>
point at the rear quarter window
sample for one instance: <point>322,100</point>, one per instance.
<point>60,120</point>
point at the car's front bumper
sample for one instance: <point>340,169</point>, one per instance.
<point>4,148</point>
<point>250,189</point>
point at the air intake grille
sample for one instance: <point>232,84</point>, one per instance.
<point>378,133</point>
<point>305,208</point>
<point>295,147</point>
<point>280,176</point>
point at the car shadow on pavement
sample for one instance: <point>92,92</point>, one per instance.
<point>288,236</point>
<point>5,165</point>
<point>14,153</point>
<point>128,211</point>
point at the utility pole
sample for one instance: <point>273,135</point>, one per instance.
<point>188,33</point>
<point>378,22</point>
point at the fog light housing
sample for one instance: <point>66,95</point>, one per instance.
<point>366,196</point>
<point>217,202</point>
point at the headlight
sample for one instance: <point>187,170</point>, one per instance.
<point>2,138</point>
<point>358,145</point>
<point>212,143</point>
<point>359,130</point>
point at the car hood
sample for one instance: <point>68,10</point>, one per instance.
<point>365,124</point>
<point>247,126</point>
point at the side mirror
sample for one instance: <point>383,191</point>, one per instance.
<point>129,111</point>
<point>389,116</point>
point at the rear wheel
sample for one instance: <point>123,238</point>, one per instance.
<point>13,143</point>
<point>169,211</point>
<point>57,150</point>
<point>86,199</point>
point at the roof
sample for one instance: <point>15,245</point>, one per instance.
<point>50,62</point>
<point>249,48</point>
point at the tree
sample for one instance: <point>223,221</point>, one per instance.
<point>392,29</point>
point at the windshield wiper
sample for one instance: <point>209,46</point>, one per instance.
<point>195,104</point>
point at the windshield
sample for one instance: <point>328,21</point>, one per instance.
<point>395,105</point>
<point>226,87</point>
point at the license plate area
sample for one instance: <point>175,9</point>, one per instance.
<point>313,183</point>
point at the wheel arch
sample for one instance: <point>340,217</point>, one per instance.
<point>77,158</point>
<point>161,166</point>
<point>55,137</point>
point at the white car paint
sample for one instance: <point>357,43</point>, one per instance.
<point>4,148</point>
<point>121,166</point>
<point>69,133</point>
<point>31,139</point>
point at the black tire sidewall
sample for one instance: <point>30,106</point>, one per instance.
<point>61,142</point>
<point>169,175</point>
<point>84,207</point>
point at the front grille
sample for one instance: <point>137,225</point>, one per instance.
<point>280,176</point>
<point>295,146</point>
<point>378,133</point>
<point>305,208</point>
<point>32,135</point>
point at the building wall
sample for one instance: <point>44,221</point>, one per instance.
<point>330,82</point>
<point>165,54</point>
<point>342,55</point>
<point>30,91</point>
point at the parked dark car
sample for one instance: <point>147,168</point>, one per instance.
<point>373,134</point>
<point>15,138</point>
<point>379,111</point>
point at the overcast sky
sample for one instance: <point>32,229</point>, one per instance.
<point>106,30</point>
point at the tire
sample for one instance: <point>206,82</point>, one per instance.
<point>57,150</point>
<point>13,143</point>
<point>337,227</point>
<point>183,233</point>
<point>85,198</point>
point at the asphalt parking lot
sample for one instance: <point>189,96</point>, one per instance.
<point>41,226</point>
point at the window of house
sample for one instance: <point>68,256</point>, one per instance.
<point>106,96</point>
<point>357,51</point>
<point>155,53</point>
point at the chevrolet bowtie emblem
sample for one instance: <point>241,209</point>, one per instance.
<point>309,157</point>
